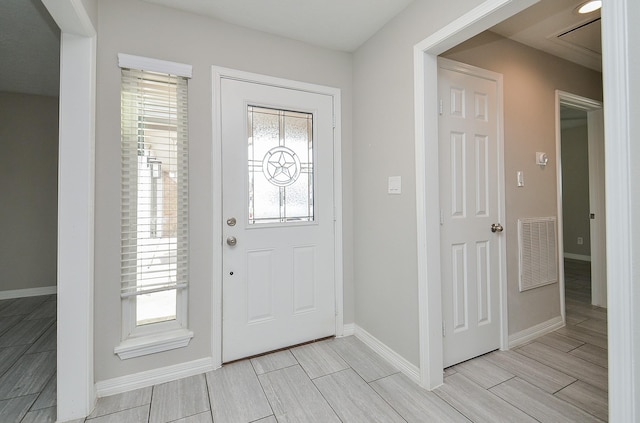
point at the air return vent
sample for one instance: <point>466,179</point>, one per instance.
<point>538,252</point>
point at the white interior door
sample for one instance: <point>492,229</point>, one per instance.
<point>471,211</point>
<point>278,217</point>
<point>597,206</point>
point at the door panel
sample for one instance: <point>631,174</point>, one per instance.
<point>469,197</point>
<point>278,229</point>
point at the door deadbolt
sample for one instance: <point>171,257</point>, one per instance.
<point>496,227</point>
<point>231,221</point>
<point>231,241</point>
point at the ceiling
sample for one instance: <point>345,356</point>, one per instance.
<point>335,24</point>
<point>554,26</point>
<point>30,38</point>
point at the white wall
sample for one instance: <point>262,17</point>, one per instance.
<point>386,297</point>
<point>28,191</point>
<point>139,28</point>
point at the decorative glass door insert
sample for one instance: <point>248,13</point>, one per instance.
<point>280,165</point>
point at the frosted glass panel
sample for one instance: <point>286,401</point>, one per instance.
<point>280,166</point>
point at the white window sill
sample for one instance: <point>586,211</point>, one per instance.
<point>151,344</point>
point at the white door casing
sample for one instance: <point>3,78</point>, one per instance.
<point>470,200</point>
<point>281,283</point>
<point>597,229</point>
<point>597,206</point>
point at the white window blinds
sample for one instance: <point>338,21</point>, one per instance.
<point>154,229</point>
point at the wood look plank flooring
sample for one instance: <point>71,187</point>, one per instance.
<point>369,365</point>
<point>560,342</point>
<point>179,399</point>
<point>478,404</point>
<point>120,402</point>
<point>294,397</point>
<point>559,377</point>
<point>539,404</point>
<point>414,404</point>
<point>593,354</point>
<point>235,394</point>
<point>354,400</point>
<point>534,372</point>
<point>274,361</point>
<point>567,363</point>
<point>319,359</point>
<point>483,372</point>
<point>587,397</point>
<point>44,415</point>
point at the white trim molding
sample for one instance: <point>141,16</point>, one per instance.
<point>219,73</point>
<point>76,191</point>
<point>481,18</point>
<point>524,336</point>
<point>28,292</point>
<point>133,381</point>
<point>151,344</point>
<point>564,98</point>
<point>154,65</point>
<point>621,67</point>
<point>396,360</point>
<point>349,329</point>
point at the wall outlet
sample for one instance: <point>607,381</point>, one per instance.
<point>580,240</point>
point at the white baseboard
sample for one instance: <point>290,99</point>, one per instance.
<point>395,359</point>
<point>127,383</point>
<point>534,332</point>
<point>349,329</point>
<point>29,292</point>
<point>577,257</point>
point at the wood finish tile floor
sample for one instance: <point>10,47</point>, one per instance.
<point>560,377</point>
<point>28,359</point>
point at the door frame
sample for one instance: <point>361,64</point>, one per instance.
<point>425,54</point>
<point>218,74</point>
<point>564,98</point>
<point>475,71</point>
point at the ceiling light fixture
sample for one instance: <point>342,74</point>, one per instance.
<point>590,6</point>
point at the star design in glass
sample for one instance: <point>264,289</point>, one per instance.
<point>282,165</point>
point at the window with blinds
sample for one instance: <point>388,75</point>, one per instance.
<point>154,264</point>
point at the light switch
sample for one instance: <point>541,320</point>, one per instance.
<point>395,184</point>
<point>520,176</point>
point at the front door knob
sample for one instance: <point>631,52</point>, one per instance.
<point>231,241</point>
<point>496,227</point>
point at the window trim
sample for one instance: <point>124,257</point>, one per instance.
<point>161,336</point>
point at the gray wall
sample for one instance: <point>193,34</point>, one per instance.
<point>575,189</point>
<point>386,297</point>
<point>28,190</point>
<point>139,28</point>
<point>531,78</point>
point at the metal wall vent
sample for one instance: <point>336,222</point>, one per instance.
<point>538,252</point>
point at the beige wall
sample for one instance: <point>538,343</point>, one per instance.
<point>139,28</point>
<point>28,190</point>
<point>386,297</point>
<point>575,189</point>
<point>91,7</point>
<point>531,78</point>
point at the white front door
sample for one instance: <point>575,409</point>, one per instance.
<point>470,155</point>
<point>278,217</point>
